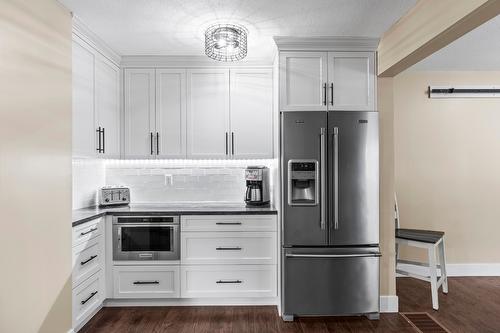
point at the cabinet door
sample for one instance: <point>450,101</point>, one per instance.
<point>107,103</point>
<point>84,135</point>
<point>351,78</point>
<point>171,113</point>
<point>303,76</point>
<point>139,92</point>
<point>251,113</point>
<point>208,113</point>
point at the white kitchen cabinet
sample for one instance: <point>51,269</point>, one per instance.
<point>218,223</point>
<point>321,81</point>
<point>146,281</point>
<point>88,262</point>
<point>208,113</point>
<point>303,79</point>
<point>87,299</point>
<point>251,119</point>
<point>139,91</point>
<point>107,106</point>
<point>84,135</point>
<point>229,256</point>
<point>217,281</point>
<point>351,77</point>
<point>228,248</point>
<point>96,103</point>
<point>171,113</point>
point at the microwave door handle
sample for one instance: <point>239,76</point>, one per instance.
<point>336,177</point>
<point>119,238</point>
<point>323,179</point>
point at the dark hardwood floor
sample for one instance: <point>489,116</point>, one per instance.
<point>473,305</point>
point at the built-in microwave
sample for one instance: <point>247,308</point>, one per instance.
<point>146,238</point>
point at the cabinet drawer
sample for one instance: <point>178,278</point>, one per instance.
<point>87,231</point>
<point>229,223</point>
<point>87,260</point>
<point>146,282</point>
<point>229,281</point>
<point>228,248</point>
<point>87,297</point>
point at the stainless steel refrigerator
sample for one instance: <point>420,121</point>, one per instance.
<point>330,213</point>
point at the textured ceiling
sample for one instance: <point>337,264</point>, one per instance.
<point>176,27</point>
<point>477,50</point>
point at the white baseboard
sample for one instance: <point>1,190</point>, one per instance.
<point>191,302</point>
<point>455,270</point>
<point>389,304</point>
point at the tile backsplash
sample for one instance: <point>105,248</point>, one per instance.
<point>180,181</point>
<point>88,176</point>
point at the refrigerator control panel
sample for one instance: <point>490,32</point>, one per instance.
<point>303,183</point>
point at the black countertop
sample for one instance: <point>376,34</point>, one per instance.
<point>86,214</point>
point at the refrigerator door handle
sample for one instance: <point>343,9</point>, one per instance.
<point>357,255</point>
<point>336,177</point>
<point>323,179</point>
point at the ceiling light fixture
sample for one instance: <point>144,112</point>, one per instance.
<point>226,42</point>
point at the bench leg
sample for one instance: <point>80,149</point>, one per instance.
<point>433,277</point>
<point>442,262</point>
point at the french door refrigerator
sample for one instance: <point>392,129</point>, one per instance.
<point>330,199</point>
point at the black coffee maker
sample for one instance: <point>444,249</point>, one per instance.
<point>257,181</point>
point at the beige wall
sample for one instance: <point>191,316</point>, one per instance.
<point>35,166</point>
<point>447,163</point>
<point>387,247</point>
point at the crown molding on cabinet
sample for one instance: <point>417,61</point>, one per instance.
<point>87,35</point>
<point>152,61</point>
<point>287,43</point>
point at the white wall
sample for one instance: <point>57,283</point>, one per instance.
<point>35,166</point>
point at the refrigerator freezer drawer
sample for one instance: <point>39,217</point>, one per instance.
<point>328,282</point>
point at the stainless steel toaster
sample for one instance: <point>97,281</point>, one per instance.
<point>114,195</point>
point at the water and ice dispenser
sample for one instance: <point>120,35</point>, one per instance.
<point>303,182</point>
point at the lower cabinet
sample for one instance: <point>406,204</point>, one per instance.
<point>146,282</point>
<point>88,271</point>
<point>224,256</point>
<point>228,281</point>
<point>87,298</point>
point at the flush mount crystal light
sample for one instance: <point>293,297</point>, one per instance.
<point>226,42</point>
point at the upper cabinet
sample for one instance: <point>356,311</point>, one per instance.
<point>198,113</point>
<point>303,78</point>
<point>139,113</point>
<point>251,113</point>
<point>351,81</point>
<point>321,81</point>
<point>155,113</point>
<point>208,113</point>
<point>96,103</point>
<point>84,134</point>
<point>107,106</point>
<point>171,113</point>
